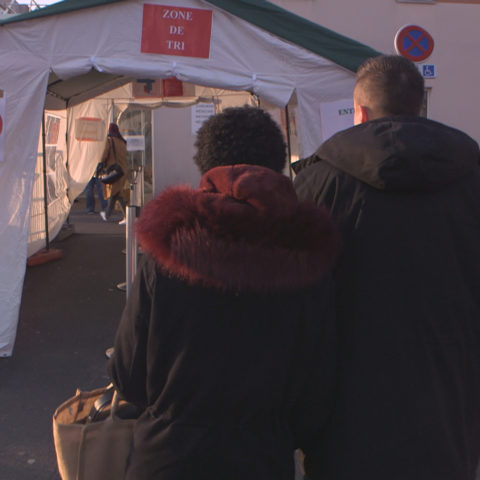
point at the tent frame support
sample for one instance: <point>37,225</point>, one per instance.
<point>289,142</point>
<point>45,184</point>
<point>47,254</point>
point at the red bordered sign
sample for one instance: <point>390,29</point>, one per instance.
<point>414,42</point>
<point>178,31</point>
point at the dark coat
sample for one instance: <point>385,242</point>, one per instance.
<point>227,337</point>
<point>406,195</point>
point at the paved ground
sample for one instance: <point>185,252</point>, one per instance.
<point>69,313</point>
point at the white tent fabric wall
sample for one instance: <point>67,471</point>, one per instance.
<point>84,155</point>
<point>108,38</point>
<point>64,184</point>
<point>23,87</point>
<point>58,205</point>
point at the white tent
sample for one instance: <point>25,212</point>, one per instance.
<point>64,54</point>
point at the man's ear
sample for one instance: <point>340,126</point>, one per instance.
<point>364,114</point>
<point>361,113</point>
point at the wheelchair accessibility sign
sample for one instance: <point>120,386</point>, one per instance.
<point>428,71</point>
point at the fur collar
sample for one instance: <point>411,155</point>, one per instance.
<point>242,230</point>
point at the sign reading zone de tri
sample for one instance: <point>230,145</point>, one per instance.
<point>414,43</point>
<point>178,31</point>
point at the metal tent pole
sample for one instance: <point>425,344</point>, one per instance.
<point>131,240</point>
<point>47,254</point>
<point>131,266</point>
<point>45,186</point>
<point>289,142</point>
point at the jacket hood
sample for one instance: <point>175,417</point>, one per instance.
<point>242,230</point>
<point>402,153</point>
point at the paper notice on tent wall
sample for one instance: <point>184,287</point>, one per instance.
<point>2,124</point>
<point>89,129</point>
<point>200,113</point>
<point>135,143</point>
<point>179,31</point>
<point>52,129</point>
<point>336,116</point>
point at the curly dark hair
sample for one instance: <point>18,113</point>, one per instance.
<point>240,135</point>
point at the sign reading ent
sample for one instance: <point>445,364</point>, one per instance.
<point>178,31</point>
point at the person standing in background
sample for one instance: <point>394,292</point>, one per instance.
<point>405,192</point>
<point>115,152</point>
<point>95,185</point>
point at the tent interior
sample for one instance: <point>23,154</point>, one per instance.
<point>72,67</point>
<point>158,118</point>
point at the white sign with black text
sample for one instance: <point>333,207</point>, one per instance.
<point>336,116</point>
<point>200,113</point>
<point>135,143</point>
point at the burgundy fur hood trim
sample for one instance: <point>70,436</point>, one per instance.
<point>242,230</point>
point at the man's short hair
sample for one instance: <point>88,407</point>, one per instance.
<point>390,85</point>
<point>240,135</point>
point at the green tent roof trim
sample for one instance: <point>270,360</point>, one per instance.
<point>339,49</point>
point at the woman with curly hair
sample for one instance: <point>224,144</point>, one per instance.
<point>227,338</point>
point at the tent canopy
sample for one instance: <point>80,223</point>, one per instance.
<point>67,93</point>
<point>293,28</point>
<point>77,49</point>
<point>342,50</point>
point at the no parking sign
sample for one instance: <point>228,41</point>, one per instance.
<point>414,42</point>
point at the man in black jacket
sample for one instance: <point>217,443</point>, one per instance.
<point>405,192</point>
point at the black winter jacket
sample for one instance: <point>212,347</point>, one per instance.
<point>405,193</point>
<point>227,338</point>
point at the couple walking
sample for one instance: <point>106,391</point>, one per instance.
<point>339,315</point>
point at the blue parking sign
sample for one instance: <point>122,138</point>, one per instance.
<point>429,71</point>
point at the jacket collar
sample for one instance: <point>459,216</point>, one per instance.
<point>400,153</point>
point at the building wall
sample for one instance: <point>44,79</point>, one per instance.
<point>453,95</point>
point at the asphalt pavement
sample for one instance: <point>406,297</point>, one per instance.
<point>69,313</point>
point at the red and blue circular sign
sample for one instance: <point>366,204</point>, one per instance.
<point>414,42</point>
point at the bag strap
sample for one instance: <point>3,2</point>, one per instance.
<point>101,403</point>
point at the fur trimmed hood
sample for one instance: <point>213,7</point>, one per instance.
<point>242,230</point>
